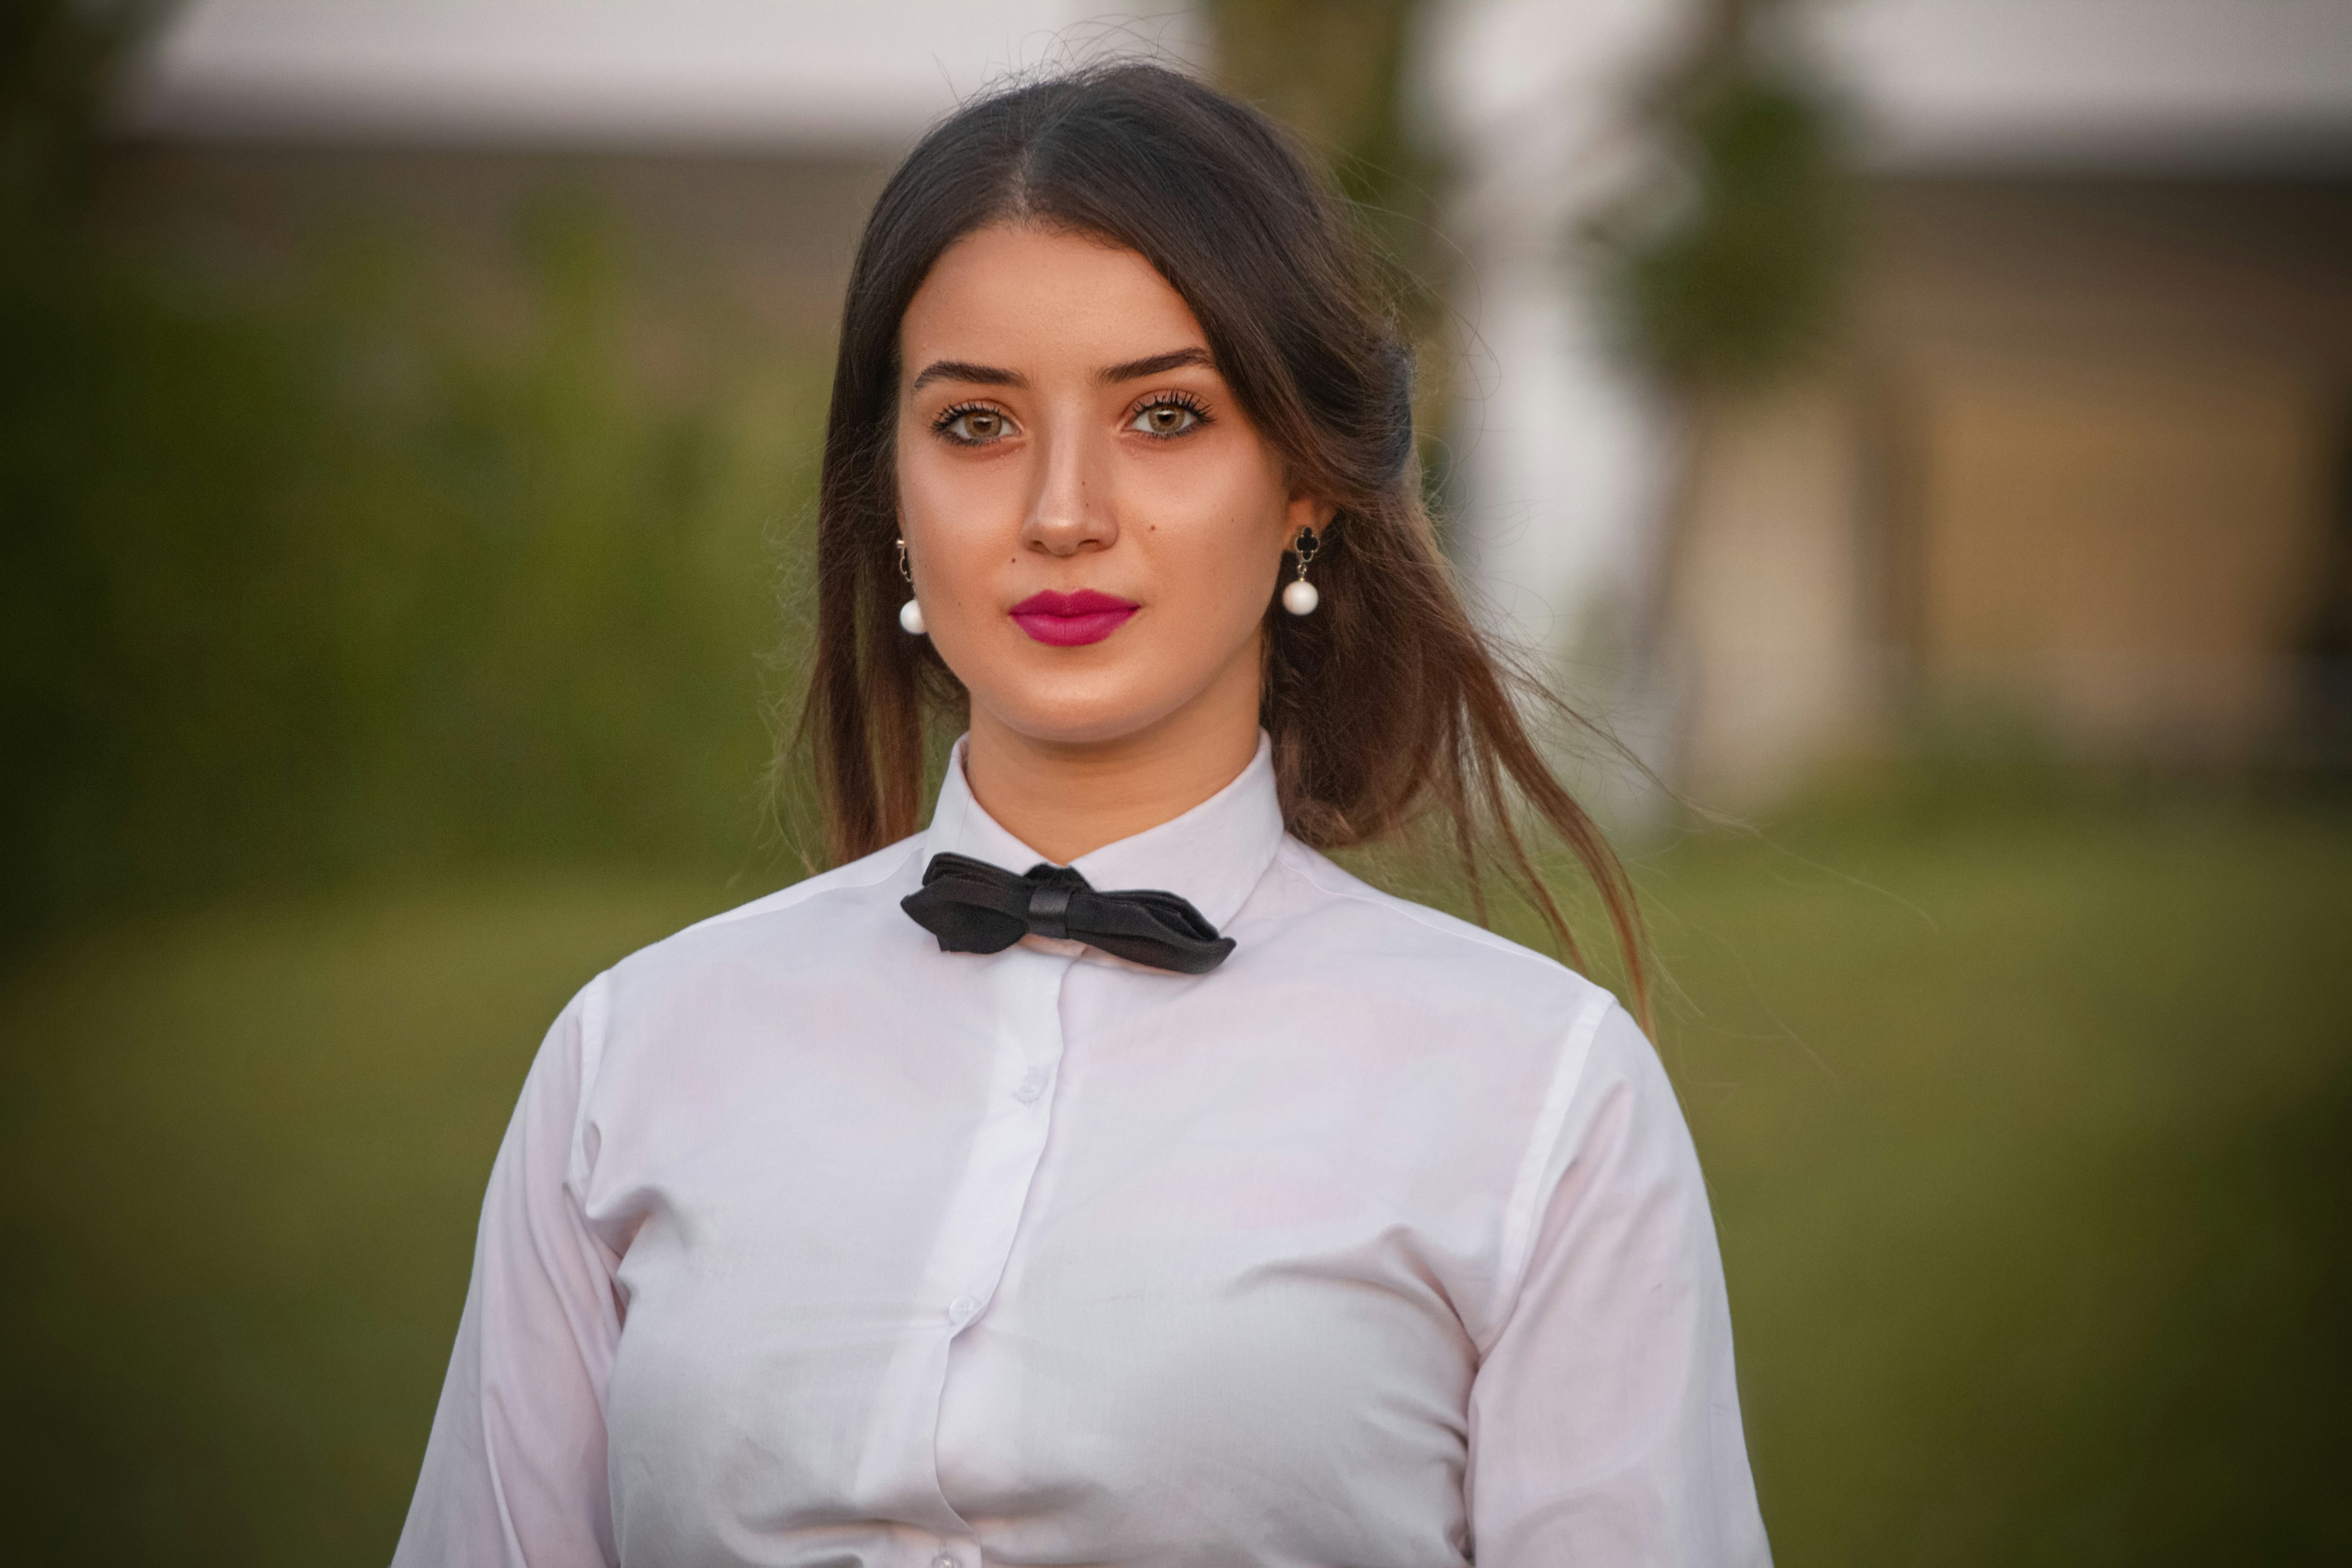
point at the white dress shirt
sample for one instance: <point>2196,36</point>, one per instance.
<point>1382,1245</point>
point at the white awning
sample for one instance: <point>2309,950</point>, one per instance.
<point>632,72</point>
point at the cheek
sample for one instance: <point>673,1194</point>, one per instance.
<point>958,520</point>
<point>1218,540</point>
<point>929,490</point>
<point>1223,579</point>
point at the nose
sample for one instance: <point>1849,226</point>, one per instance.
<point>1071,509</point>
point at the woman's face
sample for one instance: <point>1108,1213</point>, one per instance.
<point>1095,527</point>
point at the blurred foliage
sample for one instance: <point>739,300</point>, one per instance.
<point>1726,270</point>
<point>2326,644</point>
<point>58,57</point>
<point>1333,70</point>
<point>343,578</point>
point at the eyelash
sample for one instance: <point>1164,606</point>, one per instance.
<point>944,425</point>
<point>1184,400</point>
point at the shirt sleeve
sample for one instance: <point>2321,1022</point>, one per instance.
<point>514,1472</point>
<point>1604,1419</point>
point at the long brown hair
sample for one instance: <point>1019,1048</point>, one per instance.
<point>1385,702</point>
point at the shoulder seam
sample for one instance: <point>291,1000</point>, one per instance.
<point>1405,908</point>
<point>803,892</point>
<point>595,1001</point>
<point>1520,1219</point>
<point>596,998</point>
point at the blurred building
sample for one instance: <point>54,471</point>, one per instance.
<point>737,143</point>
<point>2080,461</point>
<point>2081,468</point>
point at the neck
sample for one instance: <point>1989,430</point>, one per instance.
<point>1066,798</point>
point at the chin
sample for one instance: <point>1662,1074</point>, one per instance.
<point>1097,713</point>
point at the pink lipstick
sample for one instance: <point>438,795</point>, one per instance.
<point>1072,620</point>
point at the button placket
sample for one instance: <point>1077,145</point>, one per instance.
<point>985,1213</point>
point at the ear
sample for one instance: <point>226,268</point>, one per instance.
<point>1306,511</point>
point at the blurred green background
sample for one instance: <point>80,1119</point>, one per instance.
<point>391,635</point>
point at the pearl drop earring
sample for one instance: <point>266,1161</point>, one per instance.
<point>1300,597</point>
<point>910,614</point>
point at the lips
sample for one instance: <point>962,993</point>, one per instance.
<point>1072,620</point>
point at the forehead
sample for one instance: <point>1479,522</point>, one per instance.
<point>1035,299</point>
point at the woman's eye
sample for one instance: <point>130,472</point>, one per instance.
<point>971,426</point>
<point>1165,419</point>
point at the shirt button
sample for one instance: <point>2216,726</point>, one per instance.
<point>1031,1086</point>
<point>960,1312</point>
<point>944,1559</point>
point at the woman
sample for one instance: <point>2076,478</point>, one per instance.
<point>1101,1174</point>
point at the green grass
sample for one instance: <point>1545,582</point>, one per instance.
<point>245,1153</point>
<point>2027,1140</point>
<point>2029,1151</point>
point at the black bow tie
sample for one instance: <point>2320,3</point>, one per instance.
<point>974,906</point>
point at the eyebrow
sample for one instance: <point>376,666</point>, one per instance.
<point>1111,375</point>
<point>964,370</point>
<point>1137,369</point>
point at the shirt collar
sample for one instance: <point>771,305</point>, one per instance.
<point>1210,857</point>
